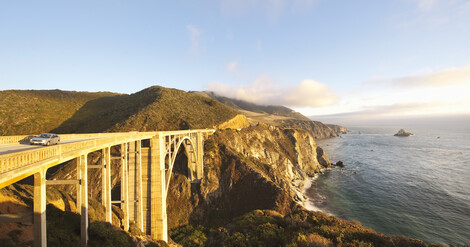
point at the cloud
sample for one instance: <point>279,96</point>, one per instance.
<point>310,93</point>
<point>263,91</point>
<point>233,67</point>
<point>397,109</point>
<point>441,78</point>
<point>194,34</point>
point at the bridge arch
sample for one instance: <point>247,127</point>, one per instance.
<point>189,149</point>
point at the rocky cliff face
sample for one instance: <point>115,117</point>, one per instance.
<point>317,129</point>
<point>261,167</point>
<point>338,129</point>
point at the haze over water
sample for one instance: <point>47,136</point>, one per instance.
<point>417,186</point>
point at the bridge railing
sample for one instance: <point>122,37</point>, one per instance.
<point>14,160</point>
<point>11,161</point>
<point>18,138</point>
<point>12,139</point>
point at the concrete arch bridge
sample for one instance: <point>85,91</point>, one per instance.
<point>146,158</point>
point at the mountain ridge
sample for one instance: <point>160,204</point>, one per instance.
<point>277,115</point>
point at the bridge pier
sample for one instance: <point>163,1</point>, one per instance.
<point>158,224</point>
<point>139,212</point>
<point>199,147</point>
<point>40,208</point>
<point>135,183</point>
<point>83,174</point>
<point>124,186</point>
<point>106,184</point>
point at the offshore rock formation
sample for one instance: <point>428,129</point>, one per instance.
<point>403,132</point>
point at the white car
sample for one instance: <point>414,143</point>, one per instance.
<point>45,139</point>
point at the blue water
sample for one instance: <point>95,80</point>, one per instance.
<point>417,186</point>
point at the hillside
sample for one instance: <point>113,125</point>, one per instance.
<point>280,116</point>
<point>154,108</point>
<point>275,110</point>
<point>36,111</point>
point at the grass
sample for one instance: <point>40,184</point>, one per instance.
<point>154,108</point>
<point>36,111</point>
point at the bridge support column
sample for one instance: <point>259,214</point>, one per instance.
<point>200,156</point>
<point>125,186</point>
<point>83,173</point>
<point>135,183</point>
<point>158,223</point>
<point>139,212</point>
<point>40,209</point>
<point>106,193</point>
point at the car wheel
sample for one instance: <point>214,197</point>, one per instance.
<point>48,143</point>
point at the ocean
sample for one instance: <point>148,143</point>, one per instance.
<point>417,186</point>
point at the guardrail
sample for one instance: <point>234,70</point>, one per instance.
<point>12,139</point>
<point>18,138</point>
<point>11,161</point>
<point>14,160</point>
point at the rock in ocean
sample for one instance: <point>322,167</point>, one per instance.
<point>403,132</point>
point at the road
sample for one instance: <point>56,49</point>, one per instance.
<point>10,148</point>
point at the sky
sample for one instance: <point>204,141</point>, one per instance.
<point>339,58</point>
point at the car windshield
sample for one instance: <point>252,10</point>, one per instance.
<point>45,135</point>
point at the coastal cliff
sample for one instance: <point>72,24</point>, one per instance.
<point>260,167</point>
<point>319,130</point>
<point>250,194</point>
<point>338,128</point>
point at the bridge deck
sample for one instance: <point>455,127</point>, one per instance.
<point>18,161</point>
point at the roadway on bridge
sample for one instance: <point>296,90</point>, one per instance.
<point>17,147</point>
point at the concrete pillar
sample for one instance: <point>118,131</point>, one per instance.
<point>78,210</point>
<point>158,196</point>
<point>84,199</point>
<point>103,178</point>
<point>39,208</point>
<point>199,155</point>
<point>135,183</point>
<point>107,187</point>
<point>146,189</point>
<point>139,205</point>
<point>132,180</point>
<point>124,187</point>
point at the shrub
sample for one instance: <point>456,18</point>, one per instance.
<point>189,235</point>
<point>104,234</point>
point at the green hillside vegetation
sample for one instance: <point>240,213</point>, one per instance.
<point>36,111</point>
<point>299,228</point>
<point>154,108</point>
